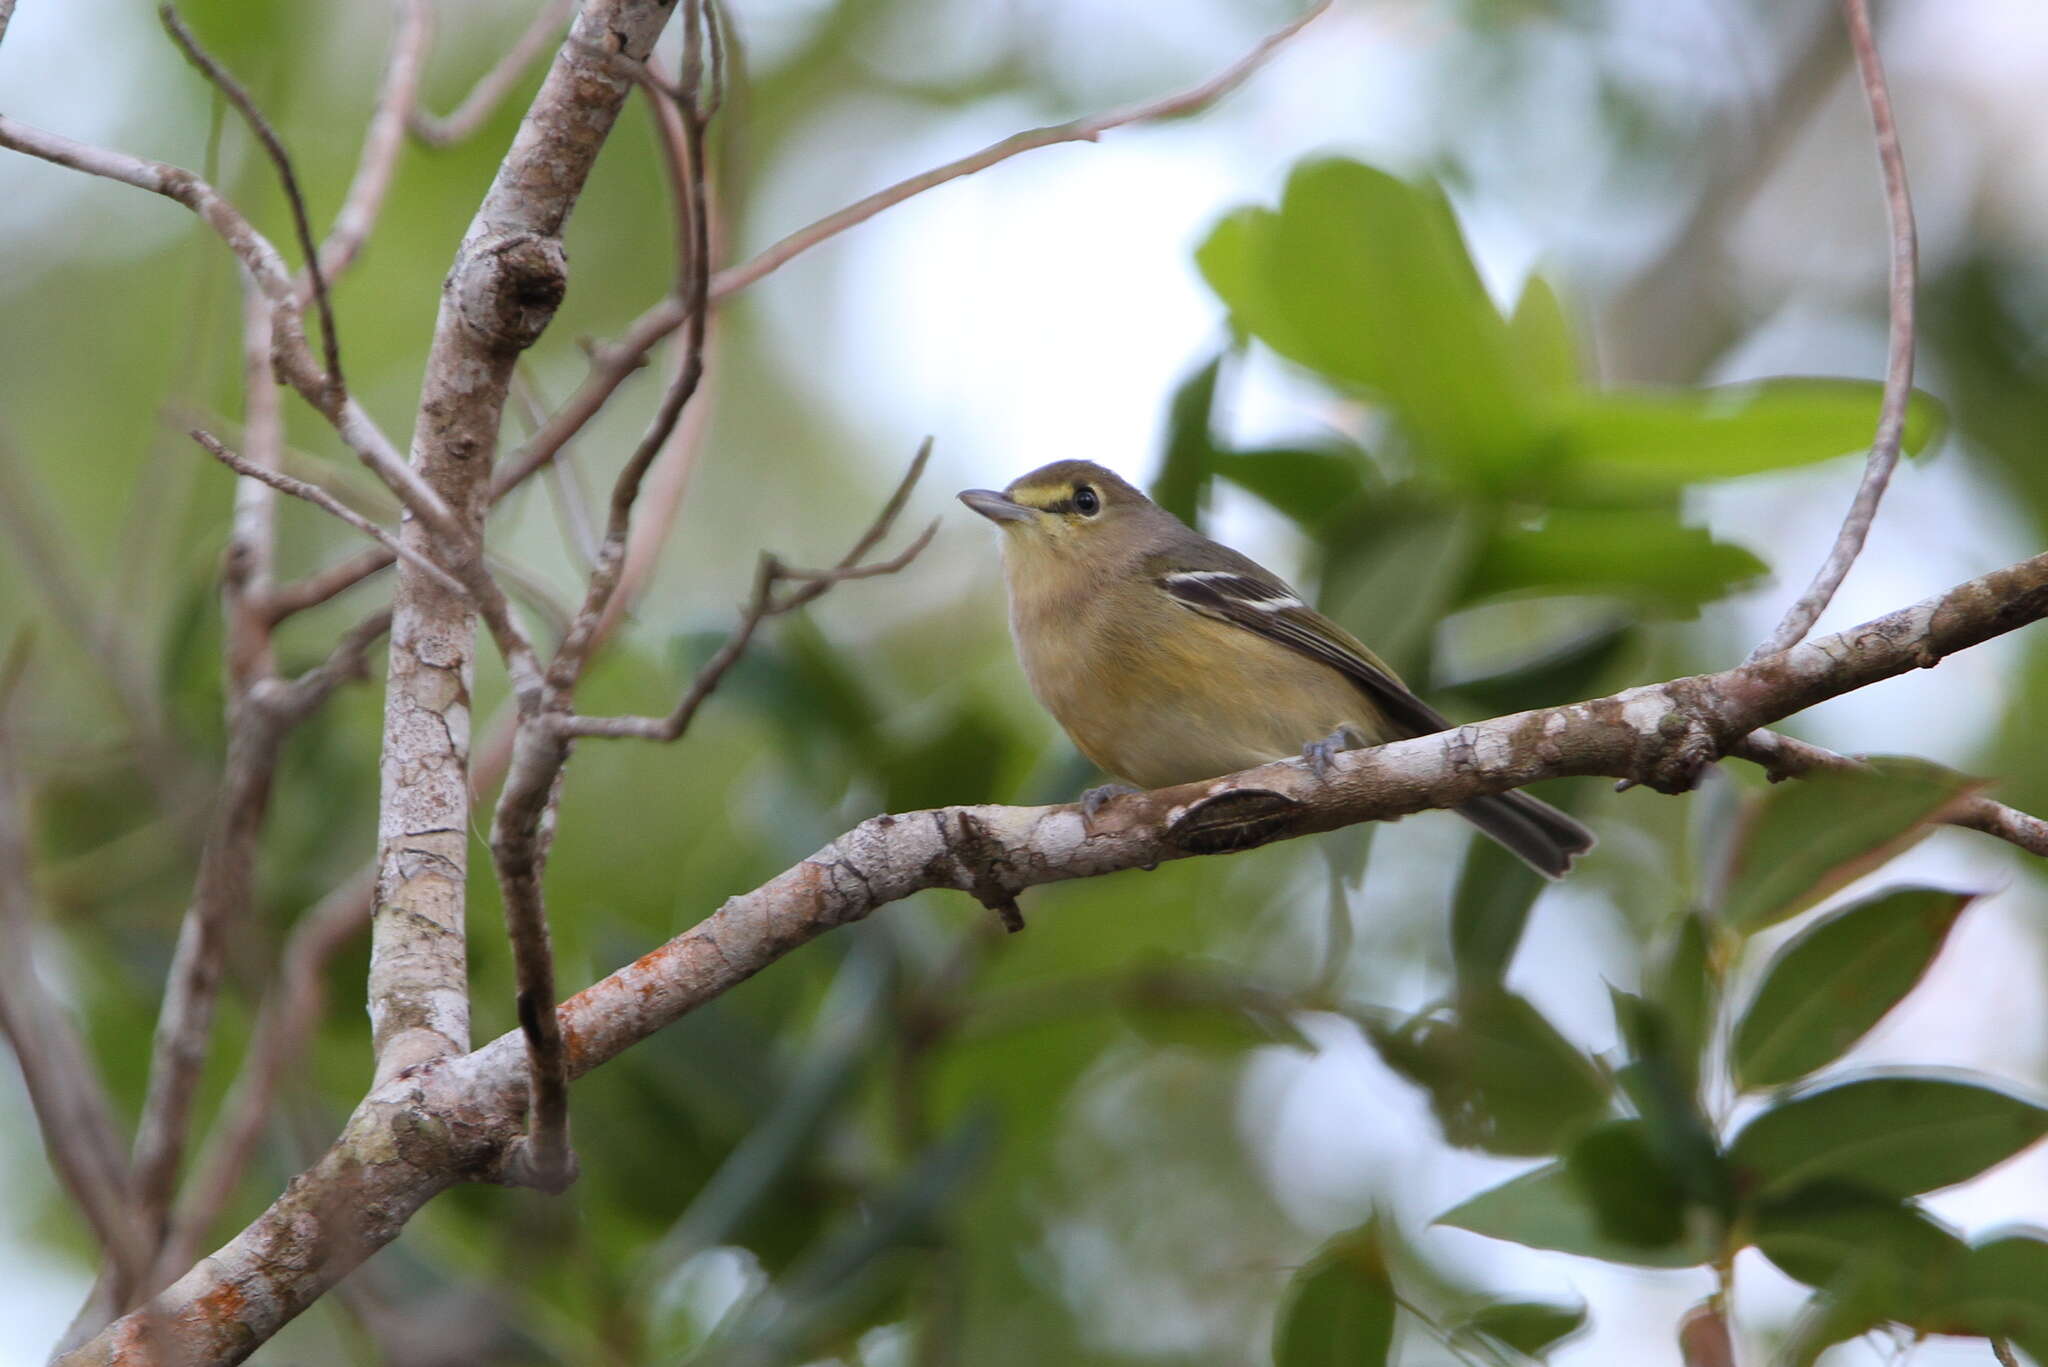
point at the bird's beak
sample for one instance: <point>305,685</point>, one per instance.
<point>994,506</point>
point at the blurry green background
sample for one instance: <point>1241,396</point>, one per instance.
<point>1110,1139</point>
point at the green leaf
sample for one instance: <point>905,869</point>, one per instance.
<point>1660,1085</point>
<point>1182,486</point>
<point>1808,838</point>
<point>1636,1198</point>
<point>1644,443</point>
<point>1650,558</point>
<point>1895,1135</point>
<point>1827,988</point>
<point>1180,1005</point>
<point>1311,485</point>
<point>1339,1310</point>
<point>1488,912</point>
<point>2001,1291</point>
<point>1683,989</point>
<point>1546,1209</point>
<point>1499,1076</point>
<point>1531,1328</point>
<point>1366,279</point>
<point>1873,1259</point>
<point>1542,338</point>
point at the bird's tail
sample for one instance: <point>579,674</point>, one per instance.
<point>1535,832</point>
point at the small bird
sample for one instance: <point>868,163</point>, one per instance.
<point>1169,658</point>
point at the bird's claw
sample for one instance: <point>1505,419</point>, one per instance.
<point>1318,754</point>
<point>1096,798</point>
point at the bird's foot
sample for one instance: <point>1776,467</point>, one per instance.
<point>1095,799</point>
<point>1318,754</point>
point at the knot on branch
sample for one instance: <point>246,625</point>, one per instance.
<point>507,289</point>
<point>1687,739</point>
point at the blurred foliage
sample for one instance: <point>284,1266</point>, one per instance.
<point>921,1142</point>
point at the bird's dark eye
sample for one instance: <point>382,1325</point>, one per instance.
<point>1086,502</point>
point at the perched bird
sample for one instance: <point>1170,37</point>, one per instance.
<point>1169,658</point>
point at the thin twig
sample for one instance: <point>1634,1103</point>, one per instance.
<point>1189,101</point>
<point>1898,380</point>
<point>397,101</point>
<point>762,604</point>
<point>325,585</point>
<point>328,503</point>
<point>289,1015</point>
<point>572,508</point>
<point>347,662</point>
<point>273,146</point>
<point>2002,1350</point>
<point>252,544</point>
<point>6,15</point>
<point>681,123</point>
<point>1783,756</point>
<point>295,364</point>
<point>64,1086</point>
<point>492,88</point>
<point>610,365</point>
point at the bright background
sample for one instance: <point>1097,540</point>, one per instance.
<point>1695,176</point>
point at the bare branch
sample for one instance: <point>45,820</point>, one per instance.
<point>520,834</point>
<point>252,544</point>
<point>220,901</point>
<point>290,1013</point>
<point>507,278</point>
<point>1784,757</point>
<point>492,88</point>
<point>325,585</point>
<point>1898,380</point>
<point>347,662</point>
<point>396,103</point>
<point>682,127</point>
<point>2002,1350</point>
<point>572,508</point>
<point>1190,101</point>
<point>763,604</point>
<point>295,363</point>
<point>420,1133</point>
<point>64,1085</point>
<point>273,146</point>
<point>327,503</point>
<point>610,365</point>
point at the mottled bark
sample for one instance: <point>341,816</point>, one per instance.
<point>509,275</point>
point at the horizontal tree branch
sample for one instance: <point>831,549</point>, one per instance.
<point>456,1119</point>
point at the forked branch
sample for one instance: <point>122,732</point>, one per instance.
<point>766,602</point>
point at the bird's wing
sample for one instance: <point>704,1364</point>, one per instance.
<point>1239,591</point>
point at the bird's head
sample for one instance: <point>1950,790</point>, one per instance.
<point>1072,509</point>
